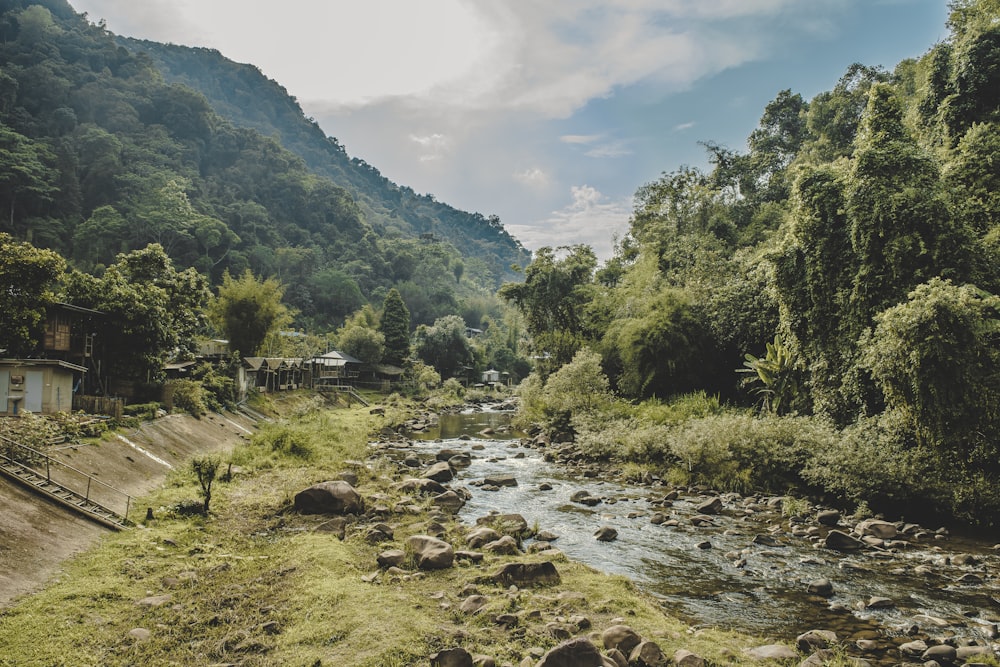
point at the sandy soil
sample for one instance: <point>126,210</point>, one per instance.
<point>37,535</point>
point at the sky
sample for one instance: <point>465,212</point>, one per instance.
<point>549,114</point>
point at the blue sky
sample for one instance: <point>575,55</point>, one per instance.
<point>549,114</point>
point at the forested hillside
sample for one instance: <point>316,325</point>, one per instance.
<point>245,97</point>
<point>101,154</point>
<point>848,263</point>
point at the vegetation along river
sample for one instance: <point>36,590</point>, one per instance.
<point>748,567</point>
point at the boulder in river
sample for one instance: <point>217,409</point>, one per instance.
<point>710,506</point>
<point>828,517</point>
<point>439,472</point>
<point>606,534</point>
<point>838,540</point>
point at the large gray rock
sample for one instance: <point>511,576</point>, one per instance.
<point>439,472</point>
<point>449,500</point>
<point>334,497</point>
<point>685,658</point>
<point>647,654</point>
<point>584,498</point>
<point>815,640</point>
<point>773,652</point>
<point>421,486</point>
<point>501,480</point>
<point>431,553</point>
<point>940,653</point>
<point>883,530</point>
<point>828,517</point>
<point>822,587</point>
<point>621,637</point>
<point>527,574</point>
<point>508,524</point>
<point>606,534</point>
<point>481,535</point>
<point>578,652</point>
<point>452,657</point>
<point>838,540</point>
<point>710,506</point>
<point>505,546</point>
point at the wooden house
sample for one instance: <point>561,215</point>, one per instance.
<point>334,369</point>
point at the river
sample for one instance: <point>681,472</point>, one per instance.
<point>715,574</point>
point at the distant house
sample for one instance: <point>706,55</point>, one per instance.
<point>69,336</point>
<point>334,369</point>
<point>490,376</point>
<point>38,385</point>
<point>267,374</point>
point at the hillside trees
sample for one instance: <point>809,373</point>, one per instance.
<point>247,310</point>
<point>394,325</point>
<point>151,311</point>
<point>28,276</point>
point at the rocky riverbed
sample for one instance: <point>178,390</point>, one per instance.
<point>884,592</point>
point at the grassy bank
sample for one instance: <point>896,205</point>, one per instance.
<point>254,583</point>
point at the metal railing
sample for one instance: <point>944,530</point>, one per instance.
<point>88,488</point>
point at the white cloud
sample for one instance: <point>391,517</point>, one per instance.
<point>533,176</point>
<point>684,126</point>
<point>590,218</point>
<point>580,138</point>
<point>433,146</point>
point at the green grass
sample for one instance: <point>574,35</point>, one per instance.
<point>254,584</point>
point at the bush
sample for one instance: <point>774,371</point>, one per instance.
<point>187,395</point>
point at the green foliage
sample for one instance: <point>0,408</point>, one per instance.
<point>364,344</point>
<point>444,346</point>
<point>187,395</point>
<point>248,310</point>
<point>777,375</point>
<point>205,469</point>
<point>27,277</point>
<point>394,325</point>
<point>936,359</point>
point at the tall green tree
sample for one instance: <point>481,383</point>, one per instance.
<point>553,297</point>
<point>247,310</point>
<point>444,346</point>
<point>394,325</point>
<point>27,278</point>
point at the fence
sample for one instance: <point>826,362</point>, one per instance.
<point>80,483</point>
<point>100,405</point>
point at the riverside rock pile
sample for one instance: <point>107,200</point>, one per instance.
<point>495,548</point>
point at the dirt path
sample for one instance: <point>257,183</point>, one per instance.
<point>37,536</point>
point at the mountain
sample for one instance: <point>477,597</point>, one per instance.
<point>107,145</point>
<point>244,96</point>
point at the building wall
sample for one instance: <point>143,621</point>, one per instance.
<point>45,389</point>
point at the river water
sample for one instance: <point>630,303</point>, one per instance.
<point>716,574</point>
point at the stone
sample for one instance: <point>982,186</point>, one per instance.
<point>828,518</point>
<point>879,602</point>
<point>140,634</point>
<point>471,556</point>
<point>506,546</point>
<point>914,648</point>
<point>449,501</point>
<point>606,534</point>
<point>685,658</point>
<point>421,486</point>
<point>460,461</point>
<point>507,524</point>
<point>621,637</point>
<point>940,653</point>
<point>391,558</point>
<point>815,640</point>
<point>584,498</point>
<point>647,654</point>
<point>527,574</point>
<point>577,652</point>
<point>431,553</point>
<point>558,631</point>
<point>773,652</point>
<point>838,540</point>
<point>501,480</point>
<point>821,587</point>
<point>883,530</point>
<point>481,535</point>
<point>765,540</point>
<point>710,506</point>
<point>546,536</point>
<point>472,604</point>
<point>336,525</point>
<point>701,520</point>
<point>154,601</point>
<point>439,472</point>
<point>452,657</point>
<point>964,653</point>
<point>333,497</point>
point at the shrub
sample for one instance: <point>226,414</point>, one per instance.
<point>187,395</point>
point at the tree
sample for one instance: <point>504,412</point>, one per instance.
<point>394,326</point>
<point>27,278</point>
<point>553,298</point>
<point>25,174</point>
<point>151,311</point>
<point>247,310</point>
<point>444,346</point>
<point>205,469</point>
<point>363,343</point>
<point>937,359</point>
